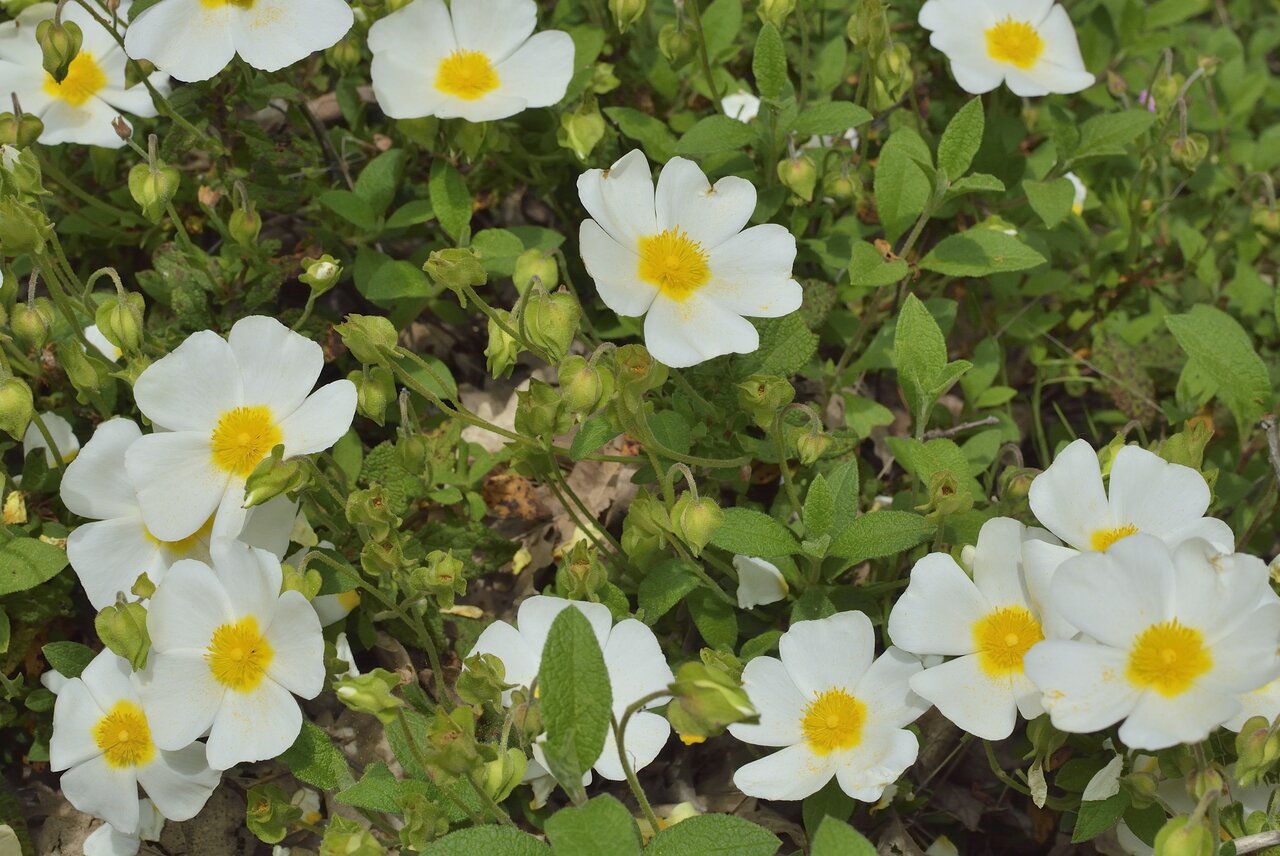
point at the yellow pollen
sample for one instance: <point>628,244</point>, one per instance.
<point>85,78</point>
<point>1014,42</point>
<point>833,722</point>
<point>1168,658</point>
<point>1104,538</point>
<point>674,262</point>
<point>467,75</point>
<point>124,736</point>
<point>243,437</point>
<point>1003,638</point>
<point>238,655</point>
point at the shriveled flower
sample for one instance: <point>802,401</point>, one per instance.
<point>106,840</point>
<point>195,39</point>
<point>103,739</point>
<point>632,658</point>
<point>1173,638</point>
<point>63,435</point>
<point>228,652</point>
<point>835,710</point>
<point>1028,44</point>
<point>986,623</point>
<point>224,404</point>
<point>680,257</point>
<point>477,60</point>
<point>81,108</point>
<point>759,582</point>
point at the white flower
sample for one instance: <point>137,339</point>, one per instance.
<point>477,60</point>
<point>227,651</point>
<point>223,404</point>
<point>835,710</point>
<point>63,435</point>
<point>631,655</point>
<point>1082,193</point>
<point>1028,44</point>
<point>82,107</point>
<point>680,257</point>
<point>1173,639</point>
<point>106,840</point>
<point>110,553</point>
<point>102,343</point>
<point>1145,494</point>
<point>741,105</point>
<point>759,582</point>
<point>195,39</point>
<point>1264,702</point>
<point>987,623</point>
<point>103,739</point>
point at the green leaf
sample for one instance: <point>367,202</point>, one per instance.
<point>721,23</point>
<point>593,434</point>
<point>752,533</point>
<point>716,620</point>
<point>27,562</point>
<point>663,587</point>
<point>786,346</point>
<point>831,117</point>
<point>398,280</point>
<point>498,250</point>
<point>1108,134</point>
<point>602,826</point>
<point>576,699</point>
<point>450,199</point>
<point>1097,816</point>
<point>351,208</point>
<point>1222,351</point>
<point>844,483</point>
<point>819,508</point>
<point>1051,200</point>
<point>4,631</point>
<point>901,187</point>
<point>920,355</point>
<point>880,534</point>
<point>652,134</point>
<point>379,790</point>
<point>715,134</point>
<point>68,658</point>
<point>411,214</point>
<point>830,802</point>
<point>377,182</point>
<point>978,182</point>
<point>839,839</point>
<point>961,140</point>
<point>714,835</point>
<point>314,759</point>
<point>980,252</point>
<point>769,63</point>
<point>490,840</point>
<point>870,269</point>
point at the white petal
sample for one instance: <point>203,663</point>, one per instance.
<point>886,691</point>
<point>272,34</point>
<point>269,526</point>
<point>1158,722</point>
<point>635,664</point>
<point>75,714</point>
<point>106,840</point>
<point>1213,592</point>
<point>179,783</point>
<point>108,556</point>
<point>180,696</point>
<point>831,653</point>
<point>332,608</point>
<point>1210,529</point>
<point>488,108</point>
<point>64,437</point>
<point>108,680</point>
<point>192,387</point>
<point>97,788</point>
<point>997,564</point>
<point>936,613</point>
<point>512,648</point>
<point>278,367</point>
<point>687,332</point>
<point>538,73</point>
<point>1154,495</point>
<point>614,268</point>
<point>421,29</point>
<point>87,125</point>
<point>687,202</point>
<point>187,607</point>
<point>1041,561</point>
<point>1247,658</point>
<point>1138,578</point>
<point>1061,68</point>
<point>1068,498</point>
<point>496,27</point>
<point>179,486</point>
<point>759,582</point>
<point>405,84</point>
<point>779,703</point>
<point>185,38</point>
<point>621,198</point>
<point>251,579</point>
<point>253,726</point>
<point>95,484</point>
<point>879,761</point>
<point>792,773</point>
<point>646,734</point>
<point>536,615</point>
<point>321,420</point>
<point>751,273</point>
<point>965,694</point>
<point>294,636</point>
<point>1084,685</point>
<point>1264,702</point>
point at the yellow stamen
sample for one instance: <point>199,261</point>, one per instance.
<point>1168,658</point>
<point>674,262</point>
<point>467,75</point>
<point>833,721</point>
<point>1014,42</point>
<point>1104,538</point>
<point>238,655</point>
<point>1003,638</point>
<point>124,736</point>
<point>243,437</point>
<point>85,78</point>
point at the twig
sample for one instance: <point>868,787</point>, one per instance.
<point>1257,841</point>
<point>1273,443</point>
<point>961,428</point>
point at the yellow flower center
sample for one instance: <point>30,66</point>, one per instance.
<point>1003,638</point>
<point>185,546</point>
<point>833,721</point>
<point>243,437</point>
<point>1168,658</point>
<point>467,75</point>
<point>674,262</point>
<point>124,736</point>
<point>238,655</point>
<point>85,78</point>
<point>1104,538</point>
<point>1014,42</point>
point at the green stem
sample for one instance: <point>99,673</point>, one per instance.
<point>493,316</point>
<point>620,729</point>
<point>490,805</point>
<point>38,421</point>
<point>51,170</point>
<point>695,17</point>
<point>793,496</point>
<point>306,310</point>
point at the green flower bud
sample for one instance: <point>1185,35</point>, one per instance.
<point>705,701</point>
<point>1266,219</point>
<point>586,387</point>
<point>762,396</point>
<point>32,323</point>
<point>500,776</point>
<point>347,838</point>
<point>1189,151</point>
<point>321,274</point>
<point>676,45</point>
<point>503,349</point>
<point>375,391</point>
<point>306,583</point>
<point>275,476</point>
<point>369,508</point>
<point>551,321</point>
<point>581,575</point>
<point>345,55</point>
<point>412,453</point>
<point>1180,837</point>
<point>381,558</point>
<point>1203,782</point>
<point>603,80</point>
<point>269,814</point>
<point>811,446</point>
<point>153,188</point>
<point>626,12</point>
<point>20,173</point>
<point>893,77</point>
<point>645,526</point>
<point>366,335</point>
<point>694,521</point>
<point>22,130</point>
<point>1142,787</point>
<point>442,576</point>
<point>89,377</point>
<point>775,12</point>
<point>483,681</point>
<point>23,228</point>
<point>869,28</point>
<point>1257,750</point>
<point>424,820</point>
<point>582,129</point>
<point>799,175</point>
<point>451,737</point>
<point>839,187</point>
<point>456,269</point>
<point>946,498</point>
<point>60,45</point>
<point>638,371</point>
<point>540,411</point>
<point>535,264</point>
<point>122,627</point>
<point>371,693</point>
<point>245,224</point>
<point>16,407</point>
<point>121,321</point>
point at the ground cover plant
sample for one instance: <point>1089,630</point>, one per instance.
<point>639,427</point>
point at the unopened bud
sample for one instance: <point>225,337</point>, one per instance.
<point>122,627</point>
<point>375,390</point>
<point>245,224</point>
<point>694,521</point>
<point>500,776</point>
<point>367,336</point>
<point>321,274</point>
<point>1181,837</point>
<point>705,701</point>
<point>799,175</point>
<point>32,323</point>
<point>811,446</point>
<point>551,322</point>
<point>345,55</point>
<point>153,188</point>
<point>540,411</point>
<point>775,12</point>
<point>455,269</point>
<point>21,131</point>
<point>586,387</point>
<point>275,476</point>
<point>16,407</point>
<point>626,12</point>
<point>1189,151</point>
<point>503,348</point>
<point>762,396</point>
<point>23,228</point>
<point>638,371</point>
<point>535,264</point>
<point>582,129</point>
<point>121,321</point>
<point>59,46</point>
<point>676,45</point>
<point>371,693</point>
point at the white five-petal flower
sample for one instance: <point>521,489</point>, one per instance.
<point>986,623</point>
<point>680,257</point>
<point>81,108</point>
<point>835,710</point>
<point>228,652</point>
<point>1028,44</point>
<point>103,739</point>
<point>1173,638</point>
<point>195,39</point>
<point>224,404</point>
<point>477,60</point>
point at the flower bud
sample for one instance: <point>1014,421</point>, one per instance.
<point>1203,782</point>
<point>16,407</point>
<point>602,80</point>
<point>269,814</point>
<point>500,776</point>
<point>375,390</point>
<point>451,737</point>
<point>1189,151</point>
<point>369,508</point>
<point>412,453</point>
<point>893,77</point>
<point>644,527</point>
<point>535,264</point>
<point>1142,787</point>
<point>799,175</point>
<point>581,576</point>
<point>441,576</point>
<point>762,396</point>
<point>245,224</point>
<point>811,446</point>
<point>59,45</point>
<point>321,274</point>
<point>89,377</point>
<point>32,323</point>
<point>306,583</point>
<point>153,188</point>
<point>551,322</point>
<point>345,837</point>
<point>638,371</point>
<point>483,681</point>
<point>345,55</point>
<point>838,187</point>
<point>676,45</point>
<point>1266,219</point>
<point>503,349</point>
<point>425,820</point>
<point>946,496</point>
<point>455,269</point>
<point>586,387</point>
<point>382,558</point>
<point>869,28</point>
<point>1180,837</point>
<point>626,12</point>
<point>775,12</point>
<point>122,627</point>
<point>275,476</point>
<point>1257,750</point>
<point>20,174</point>
<point>705,701</point>
<point>371,693</point>
<point>23,228</point>
<point>21,131</point>
<point>540,411</point>
<point>366,336</point>
<point>582,129</point>
<point>121,321</point>
<point>694,521</point>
